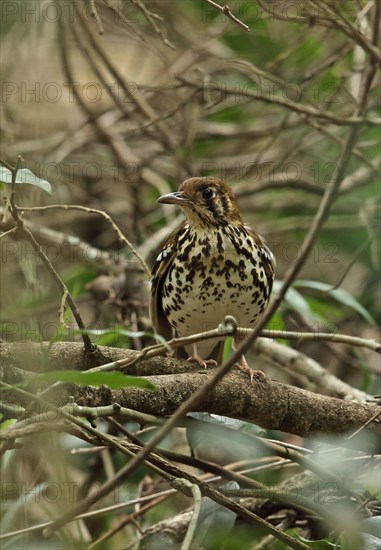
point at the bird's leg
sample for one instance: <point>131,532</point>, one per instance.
<point>199,360</point>
<point>244,367</point>
<point>243,364</point>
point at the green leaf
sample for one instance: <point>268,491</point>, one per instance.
<point>111,338</point>
<point>296,301</point>
<point>77,277</point>
<point>340,295</point>
<point>114,380</point>
<point>347,299</point>
<point>7,423</point>
<point>276,323</point>
<point>5,175</point>
<point>227,348</point>
<point>118,330</point>
<point>325,311</point>
<point>321,544</point>
<point>366,376</point>
<point>24,175</point>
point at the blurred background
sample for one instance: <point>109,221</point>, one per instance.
<point>115,105</point>
<point>117,102</point>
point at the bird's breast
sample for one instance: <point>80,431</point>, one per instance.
<point>214,273</point>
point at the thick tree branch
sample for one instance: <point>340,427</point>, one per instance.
<point>63,355</point>
<point>267,403</point>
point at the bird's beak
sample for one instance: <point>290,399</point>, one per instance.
<point>174,198</point>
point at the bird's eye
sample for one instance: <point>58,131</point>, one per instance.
<point>208,193</point>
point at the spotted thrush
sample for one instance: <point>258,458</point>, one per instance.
<point>210,267</point>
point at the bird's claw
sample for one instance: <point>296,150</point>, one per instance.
<point>203,362</point>
<point>247,370</point>
<point>258,374</point>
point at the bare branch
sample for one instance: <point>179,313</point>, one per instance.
<point>106,216</point>
<point>226,11</point>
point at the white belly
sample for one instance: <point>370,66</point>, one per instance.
<point>216,280</point>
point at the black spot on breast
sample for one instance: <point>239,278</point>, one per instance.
<point>220,243</point>
<point>185,252</point>
<point>207,283</point>
<point>190,275</point>
<point>255,297</point>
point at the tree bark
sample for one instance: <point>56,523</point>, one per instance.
<point>266,402</point>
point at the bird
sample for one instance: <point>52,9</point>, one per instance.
<point>211,266</point>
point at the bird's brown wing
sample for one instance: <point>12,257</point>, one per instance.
<point>159,319</point>
<point>267,257</point>
<point>159,272</point>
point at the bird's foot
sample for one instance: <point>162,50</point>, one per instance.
<point>202,362</point>
<point>244,367</point>
<point>247,370</point>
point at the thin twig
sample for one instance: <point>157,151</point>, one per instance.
<point>150,18</point>
<point>72,246</point>
<point>317,223</point>
<point>88,345</point>
<point>226,11</point>
<point>93,513</point>
<point>306,368</point>
<point>94,13</point>
<point>133,95</point>
<point>20,227</point>
<point>102,213</point>
<point>221,331</point>
<point>117,145</point>
<point>319,337</point>
<point>186,545</point>
<point>353,261</point>
<point>299,108</point>
<point>9,232</point>
<point>62,309</point>
<point>154,500</point>
<point>342,23</point>
<point>369,421</point>
<point>172,478</point>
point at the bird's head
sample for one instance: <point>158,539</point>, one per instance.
<point>205,201</point>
